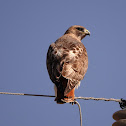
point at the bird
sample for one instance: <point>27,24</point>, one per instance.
<point>67,63</point>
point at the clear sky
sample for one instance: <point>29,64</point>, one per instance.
<point>28,27</point>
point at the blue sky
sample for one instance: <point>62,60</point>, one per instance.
<point>28,27</point>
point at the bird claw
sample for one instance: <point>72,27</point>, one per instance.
<point>71,101</point>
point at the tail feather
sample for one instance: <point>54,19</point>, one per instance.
<point>65,90</point>
<point>61,98</point>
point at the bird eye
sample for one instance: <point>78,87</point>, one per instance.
<point>80,29</point>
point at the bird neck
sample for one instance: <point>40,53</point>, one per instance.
<point>74,36</point>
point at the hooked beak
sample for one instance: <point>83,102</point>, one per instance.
<point>86,32</point>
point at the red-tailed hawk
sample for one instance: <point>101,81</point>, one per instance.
<point>67,63</point>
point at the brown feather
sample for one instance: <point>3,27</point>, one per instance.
<point>67,63</point>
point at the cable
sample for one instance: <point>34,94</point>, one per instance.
<point>85,98</point>
<point>75,102</point>
<point>9,93</point>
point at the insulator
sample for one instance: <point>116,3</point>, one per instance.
<point>121,114</point>
<point>120,117</point>
<point>121,122</point>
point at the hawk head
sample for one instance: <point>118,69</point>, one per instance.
<point>79,31</point>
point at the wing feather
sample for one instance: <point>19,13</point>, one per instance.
<point>67,59</point>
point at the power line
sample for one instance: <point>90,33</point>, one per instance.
<point>9,93</point>
<point>122,102</point>
<point>85,98</point>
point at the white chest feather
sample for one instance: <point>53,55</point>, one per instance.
<point>71,54</point>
